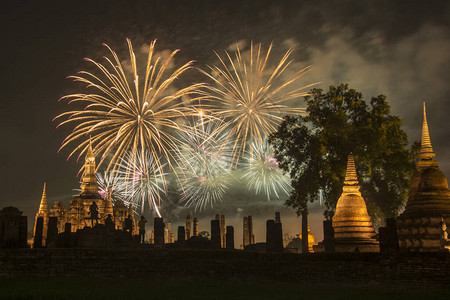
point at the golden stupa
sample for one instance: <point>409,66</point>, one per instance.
<point>420,226</point>
<point>311,241</point>
<point>353,229</point>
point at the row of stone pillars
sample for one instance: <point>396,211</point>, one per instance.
<point>223,236</point>
<point>220,237</point>
<point>52,233</point>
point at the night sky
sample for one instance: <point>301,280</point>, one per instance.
<point>397,48</point>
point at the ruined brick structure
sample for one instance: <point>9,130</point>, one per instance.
<point>423,225</point>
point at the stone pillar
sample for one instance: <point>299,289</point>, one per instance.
<point>181,234</point>
<point>270,235</point>
<point>391,225</point>
<point>195,226</point>
<point>188,227</point>
<point>23,232</point>
<point>67,234</point>
<point>158,226</point>
<point>277,217</point>
<point>328,236</point>
<point>388,236</point>
<point>229,237</point>
<point>215,234</point>
<point>274,236</point>
<point>52,232</point>
<point>305,246</point>
<point>246,237</point>
<point>37,243</point>
<point>166,236</point>
<point>168,233</point>
<point>278,234</point>
<point>250,230</point>
<point>222,231</point>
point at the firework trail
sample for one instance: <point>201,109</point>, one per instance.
<point>207,156</point>
<point>250,97</point>
<point>262,172</point>
<point>128,111</point>
<point>108,182</point>
<point>143,179</point>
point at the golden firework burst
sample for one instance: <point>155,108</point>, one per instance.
<point>251,96</point>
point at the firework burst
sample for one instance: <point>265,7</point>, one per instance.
<point>128,110</point>
<point>207,156</point>
<point>251,97</point>
<point>262,172</point>
<point>143,180</point>
<point>108,182</point>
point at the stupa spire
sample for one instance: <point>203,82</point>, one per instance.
<point>350,175</point>
<point>43,207</point>
<point>89,179</point>
<point>426,150</point>
<point>90,153</point>
<point>351,179</point>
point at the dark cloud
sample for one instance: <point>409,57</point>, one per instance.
<point>396,48</point>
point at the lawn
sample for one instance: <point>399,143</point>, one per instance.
<point>125,288</point>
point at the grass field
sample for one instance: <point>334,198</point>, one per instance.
<point>130,289</point>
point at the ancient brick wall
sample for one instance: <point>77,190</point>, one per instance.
<point>345,268</point>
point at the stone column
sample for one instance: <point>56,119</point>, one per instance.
<point>52,232</point>
<point>246,237</point>
<point>215,234</point>
<point>229,237</point>
<point>188,227</point>
<point>305,246</point>
<point>328,236</point>
<point>23,232</point>
<point>270,235</point>
<point>277,217</point>
<point>388,236</point>
<point>250,230</point>
<point>278,234</point>
<point>274,236</point>
<point>158,226</point>
<point>167,233</point>
<point>195,226</point>
<point>67,235</point>
<point>181,234</point>
<point>222,231</point>
<point>37,243</point>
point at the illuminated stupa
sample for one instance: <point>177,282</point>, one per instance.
<point>311,241</point>
<point>353,229</point>
<point>43,213</point>
<point>420,226</point>
<point>78,212</point>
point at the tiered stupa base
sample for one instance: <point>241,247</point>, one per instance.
<point>421,234</point>
<point>356,245</point>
